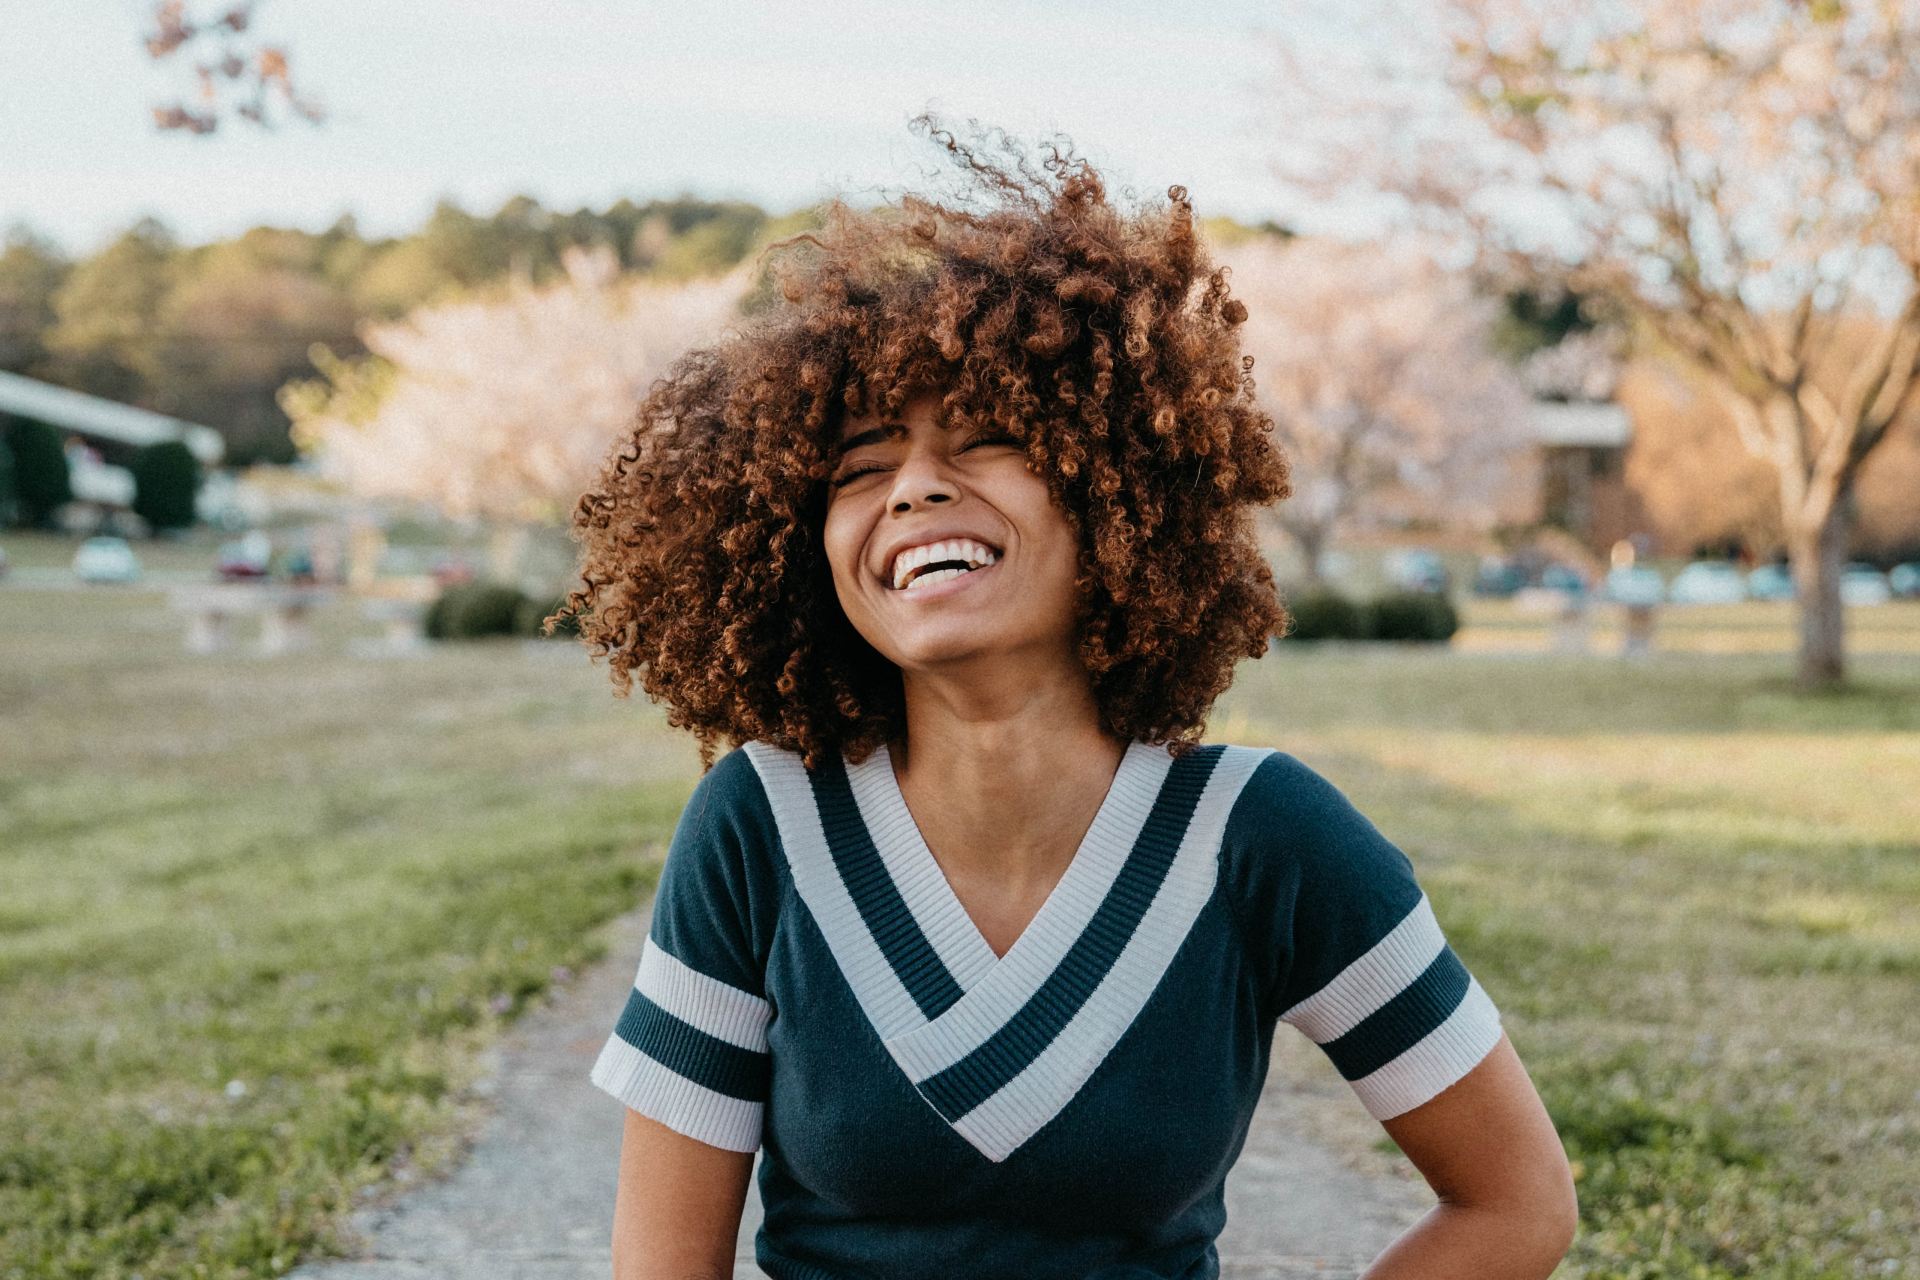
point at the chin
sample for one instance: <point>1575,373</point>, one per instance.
<point>943,646</point>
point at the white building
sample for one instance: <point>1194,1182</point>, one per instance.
<point>97,429</point>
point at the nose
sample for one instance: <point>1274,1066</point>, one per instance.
<point>923,477</point>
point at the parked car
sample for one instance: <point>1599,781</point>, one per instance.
<point>1770,582</point>
<point>1904,580</point>
<point>243,560</point>
<point>106,558</point>
<point>1416,569</point>
<point>451,569</point>
<point>1634,584</point>
<point>298,565</point>
<point>1498,577</point>
<point>1864,584</point>
<point>1564,578</point>
<point>1708,582</point>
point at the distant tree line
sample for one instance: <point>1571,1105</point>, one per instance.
<point>211,332</point>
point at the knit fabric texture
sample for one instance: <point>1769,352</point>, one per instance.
<point>811,988</point>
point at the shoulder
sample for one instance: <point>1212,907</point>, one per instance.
<point>1283,789</point>
<point>1297,852</point>
<point>728,823</point>
<point>717,902</point>
<point>731,787</point>
<point>1316,885</point>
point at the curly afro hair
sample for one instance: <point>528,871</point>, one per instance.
<point>1106,342</point>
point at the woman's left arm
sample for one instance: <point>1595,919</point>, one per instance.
<point>1487,1147</point>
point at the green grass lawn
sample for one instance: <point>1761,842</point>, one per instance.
<point>258,915</point>
<point>1695,896</point>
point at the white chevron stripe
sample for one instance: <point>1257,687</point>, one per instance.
<point>1383,972</point>
<point>715,1007</point>
<point>1006,988</point>
<point>921,1047</point>
<point>675,1101</point>
<point>914,872</point>
<point>1435,1061</point>
<point>880,992</point>
<point>1001,1124</point>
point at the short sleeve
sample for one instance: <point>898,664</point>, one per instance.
<point>1346,945</point>
<point>690,1047</point>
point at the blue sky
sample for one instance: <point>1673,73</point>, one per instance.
<point>584,101</point>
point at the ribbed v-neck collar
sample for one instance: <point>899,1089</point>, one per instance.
<point>929,895</point>
<point>998,1045</point>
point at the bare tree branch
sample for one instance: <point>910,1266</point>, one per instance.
<point>242,76</point>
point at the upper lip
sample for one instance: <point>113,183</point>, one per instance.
<point>922,539</point>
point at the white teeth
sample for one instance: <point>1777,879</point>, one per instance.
<point>938,575</point>
<point>974,553</point>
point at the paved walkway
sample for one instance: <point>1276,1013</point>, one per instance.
<point>533,1200</point>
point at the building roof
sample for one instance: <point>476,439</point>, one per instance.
<point>1601,423</point>
<point>108,419</point>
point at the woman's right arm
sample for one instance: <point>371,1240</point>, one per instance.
<point>677,1213</point>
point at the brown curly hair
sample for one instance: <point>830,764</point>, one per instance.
<point>1105,342</point>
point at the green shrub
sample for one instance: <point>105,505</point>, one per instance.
<point>41,484</point>
<point>166,476</point>
<point>1412,615</point>
<point>533,615</point>
<point>469,609</point>
<point>1321,613</point>
<point>9,504</point>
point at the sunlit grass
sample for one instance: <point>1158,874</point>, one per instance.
<point>257,916</point>
<point>1753,627</point>
<point>1696,897</point>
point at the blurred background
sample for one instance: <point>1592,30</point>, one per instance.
<point>1592,332</point>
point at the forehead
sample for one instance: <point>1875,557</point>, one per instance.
<point>864,428</point>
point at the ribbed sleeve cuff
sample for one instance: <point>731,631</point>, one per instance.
<point>1436,1060</point>
<point>675,1101</point>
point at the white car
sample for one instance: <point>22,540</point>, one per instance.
<point>1708,582</point>
<point>1634,584</point>
<point>1864,584</point>
<point>106,559</point>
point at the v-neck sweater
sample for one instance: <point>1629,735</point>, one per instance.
<point>811,988</point>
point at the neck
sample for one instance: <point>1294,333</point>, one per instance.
<point>1004,775</point>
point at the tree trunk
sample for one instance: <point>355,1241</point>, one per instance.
<point>1312,540</point>
<point>1818,556</point>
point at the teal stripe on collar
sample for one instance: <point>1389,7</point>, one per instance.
<point>1005,1054</point>
<point>898,935</point>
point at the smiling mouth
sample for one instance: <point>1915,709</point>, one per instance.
<point>941,578</point>
<point>946,568</point>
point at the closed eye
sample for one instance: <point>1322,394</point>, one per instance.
<point>991,437</point>
<point>988,437</point>
<point>855,474</point>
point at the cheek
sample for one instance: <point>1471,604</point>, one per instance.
<point>840,539</point>
<point>1049,531</point>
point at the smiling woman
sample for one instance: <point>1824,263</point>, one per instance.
<point>1102,345</point>
<point>971,935</point>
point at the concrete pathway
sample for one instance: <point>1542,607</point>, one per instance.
<point>533,1200</point>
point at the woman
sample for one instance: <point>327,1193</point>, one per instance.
<point>970,933</point>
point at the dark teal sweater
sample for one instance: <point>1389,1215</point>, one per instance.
<point>811,984</point>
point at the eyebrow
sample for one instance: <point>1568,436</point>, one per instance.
<point>873,435</point>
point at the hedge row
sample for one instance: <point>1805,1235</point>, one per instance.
<point>35,480</point>
<point>469,609</point>
<point>1324,614</point>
